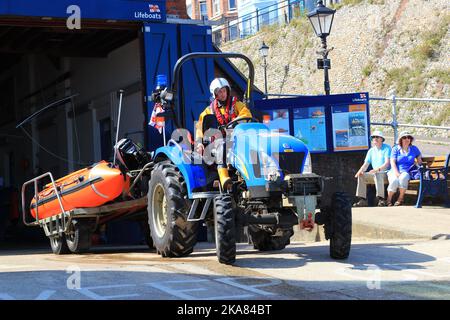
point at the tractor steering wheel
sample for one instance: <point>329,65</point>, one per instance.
<point>236,121</point>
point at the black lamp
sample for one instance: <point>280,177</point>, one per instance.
<point>321,19</point>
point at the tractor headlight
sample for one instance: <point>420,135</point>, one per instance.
<point>308,164</point>
<point>269,167</point>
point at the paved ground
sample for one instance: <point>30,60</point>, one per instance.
<point>416,269</point>
<point>428,222</point>
<point>393,256</point>
<point>394,223</point>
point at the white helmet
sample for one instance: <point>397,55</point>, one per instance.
<point>218,83</point>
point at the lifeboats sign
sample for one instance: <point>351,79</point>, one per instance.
<point>128,10</point>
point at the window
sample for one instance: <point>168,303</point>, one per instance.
<point>216,7</point>
<point>203,10</point>
<point>217,37</point>
<point>233,32</point>
<point>232,4</point>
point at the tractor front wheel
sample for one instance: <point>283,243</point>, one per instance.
<point>225,229</point>
<point>340,226</point>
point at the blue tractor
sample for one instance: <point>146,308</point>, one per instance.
<point>273,187</point>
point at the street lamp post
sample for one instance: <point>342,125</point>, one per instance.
<point>264,52</point>
<point>321,19</point>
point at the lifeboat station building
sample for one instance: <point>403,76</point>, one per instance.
<point>66,60</point>
<point>63,62</point>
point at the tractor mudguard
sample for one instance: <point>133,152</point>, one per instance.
<point>193,174</point>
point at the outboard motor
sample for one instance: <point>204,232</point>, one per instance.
<point>130,156</point>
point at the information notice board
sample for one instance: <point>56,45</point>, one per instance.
<point>334,123</point>
<point>350,127</point>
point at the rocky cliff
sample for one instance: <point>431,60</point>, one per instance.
<point>380,46</point>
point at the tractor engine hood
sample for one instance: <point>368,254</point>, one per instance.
<point>258,152</point>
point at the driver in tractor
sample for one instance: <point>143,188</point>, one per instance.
<point>226,108</point>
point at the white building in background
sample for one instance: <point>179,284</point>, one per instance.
<point>254,14</point>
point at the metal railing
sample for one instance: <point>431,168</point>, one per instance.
<point>394,124</point>
<point>35,182</point>
<point>279,13</point>
<point>394,112</point>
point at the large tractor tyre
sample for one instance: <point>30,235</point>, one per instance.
<point>59,245</point>
<point>264,241</point>
<point>341,226</point>
<point>225,229</point>
<point>168,206</point>
<point>79,236</point>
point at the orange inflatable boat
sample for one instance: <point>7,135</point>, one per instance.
<point>85,188</point>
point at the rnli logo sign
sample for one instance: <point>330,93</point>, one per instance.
<point>154,8</point>
<point>362,98</point>
<point>154,13</point>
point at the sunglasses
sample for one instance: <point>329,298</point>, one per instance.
<point>376,137</point>
<point>407,137</point>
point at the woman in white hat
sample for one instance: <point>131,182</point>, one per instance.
<point>378,157</point>
<point>403,157</point>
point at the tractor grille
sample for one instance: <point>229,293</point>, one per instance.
<point>305,184</point>
<point>290,162</point>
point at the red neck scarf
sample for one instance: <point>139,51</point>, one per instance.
<point>229,111</point>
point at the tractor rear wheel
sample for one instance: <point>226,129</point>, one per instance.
<point>168,206</point>
<point>225,229</point>
<point>264,241</point>
<point>59,244</point>
<point>79,236</point>
<point>341,226</point>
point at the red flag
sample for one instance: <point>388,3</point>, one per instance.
<point>155,121</point>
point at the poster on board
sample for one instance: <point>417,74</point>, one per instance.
<point>350,127</point>
<point>310,127</point>
<point>279,121</point>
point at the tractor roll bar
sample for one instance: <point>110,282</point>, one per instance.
<point>215,55</point>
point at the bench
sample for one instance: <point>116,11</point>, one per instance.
<point>434,179</point>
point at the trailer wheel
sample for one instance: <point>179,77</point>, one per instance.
<point>264,241</point>
<point>341,226</point>
<point>172,234</point>
<point>225,229</point>
<point>59,245</point>
<point>79,235</point>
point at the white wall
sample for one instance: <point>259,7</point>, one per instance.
<point>95,77</point>
<point>97,80</point>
